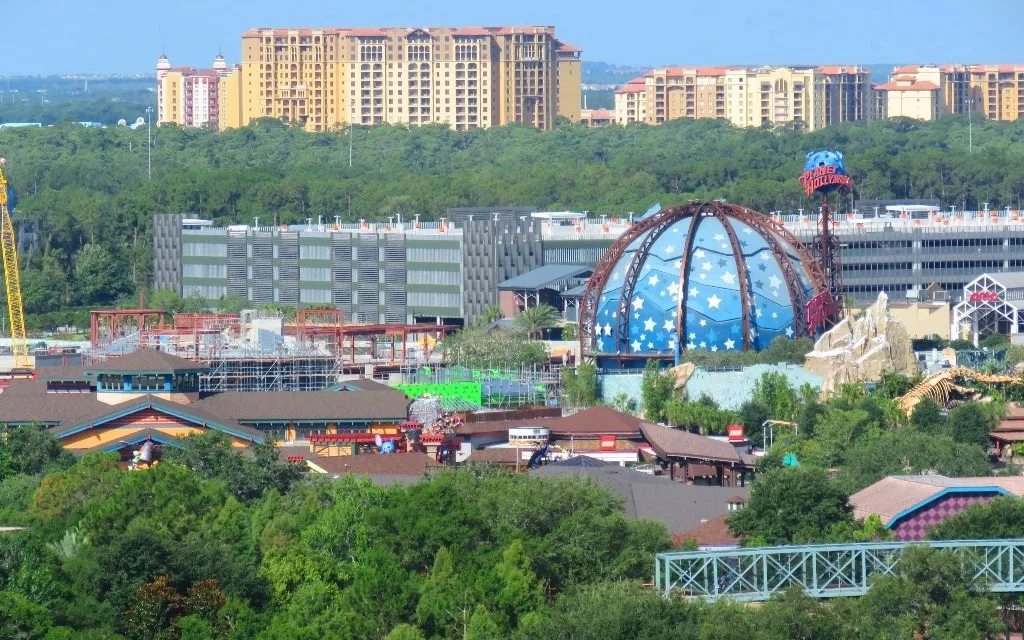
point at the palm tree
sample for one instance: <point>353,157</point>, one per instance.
<point>535,320</point>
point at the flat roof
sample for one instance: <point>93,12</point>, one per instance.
<point>558,215</point>
<point>544,277</point>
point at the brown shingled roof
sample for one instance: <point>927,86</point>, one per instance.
<point>593,422</point>
<point>500,455</point>
<point>26,401</point>
<point>146,361</point>
<point>308,405</point>
<point>394,464</point>
<point>677,443</point>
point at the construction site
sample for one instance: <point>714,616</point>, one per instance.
<point>261,351</point>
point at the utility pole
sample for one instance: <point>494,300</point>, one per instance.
<point>149,143</point>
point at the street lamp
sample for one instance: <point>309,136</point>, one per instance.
<point>149,142</point>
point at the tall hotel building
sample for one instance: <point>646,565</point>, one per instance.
<point>807,97</point>
<point>190,97</point>
<point>465,78</point>
<point>926,92</point>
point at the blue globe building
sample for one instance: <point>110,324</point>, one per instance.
<point>711,276</point>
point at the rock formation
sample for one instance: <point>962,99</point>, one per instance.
<point>682,374</point>
<point>860,349</point>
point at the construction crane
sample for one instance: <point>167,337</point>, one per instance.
<point>12,276</point>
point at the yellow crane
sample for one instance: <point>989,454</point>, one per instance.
<point>12,278</point>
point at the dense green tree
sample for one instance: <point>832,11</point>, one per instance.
<point>968,424</point>
<point>931,596</point>
<point>792,505</point>
<point>534,321</point>
<point>1001,518</point>
<point>580,385</point>
<point>232,304</point>
<point>474,347</point>
<point>655,391</point>
<point>909,452</point>
<point>30,450</point>
<point>929,417</point>
<point>98,279</point>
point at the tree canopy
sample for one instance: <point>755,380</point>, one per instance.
<point>84,187</point>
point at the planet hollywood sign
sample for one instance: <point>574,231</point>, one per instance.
<point>824,176</point>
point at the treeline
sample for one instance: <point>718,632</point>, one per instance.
<point>90,188</point>
<point>215,544</point>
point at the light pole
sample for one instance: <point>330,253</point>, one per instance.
<point>149,142</point>
<point>970,125</point>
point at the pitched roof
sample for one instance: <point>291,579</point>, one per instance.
<point>568,48</point>
<point>712,533</point>
<point>904,85</point>
<point>677,443</point>
<point>146,361</point>
<point>387,466</point>
<point>101,413</point>
<point>266,406</point>
<point>62,374</point>
<point>595,421</point>
<point>543,277</point>
<point>26,401</point>
<point>681,507</point>
<point>893,496</point>
<point>500,455</point>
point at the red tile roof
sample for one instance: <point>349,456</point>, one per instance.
<point>712,533</point>
<point>597,114</point>
<point>471,31</point>
<point>636,85</point>
<point>568,48</point>
<point>833,70</point>
<point>904,85</point>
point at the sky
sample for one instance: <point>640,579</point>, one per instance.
<point>108,36</point>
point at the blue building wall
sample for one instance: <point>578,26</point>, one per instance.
<point>729,388</point>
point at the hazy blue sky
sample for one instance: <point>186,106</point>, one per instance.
<point>52,36</point>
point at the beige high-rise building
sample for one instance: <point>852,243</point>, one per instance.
<point>630,103</point>
<point>190,97</point>
<point>995,91</point>
<point>465,78</point>
<point>804,98</point>
<point>906,97</point>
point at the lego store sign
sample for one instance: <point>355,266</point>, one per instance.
<point>984,296</point>
<point>607,443</point>
<point>824,176</point>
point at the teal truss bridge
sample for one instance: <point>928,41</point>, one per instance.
<point>823,571</point>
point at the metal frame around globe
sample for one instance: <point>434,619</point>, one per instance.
<point>708,275</point>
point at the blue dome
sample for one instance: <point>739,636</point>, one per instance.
<point>701,276</point>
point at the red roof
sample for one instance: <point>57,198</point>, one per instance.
<point>905,84</point>
<point>712,533</point>
<point>636,85</point>
<point>568,48</point>
<point>833,70</point>
<point>471,31</point>
<point>359,33</point>
<point>596,114</point>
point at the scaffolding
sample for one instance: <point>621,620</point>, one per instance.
<point>263,371</point>
<point>500,388</point>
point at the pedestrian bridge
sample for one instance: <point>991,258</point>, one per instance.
<point>823,571</point>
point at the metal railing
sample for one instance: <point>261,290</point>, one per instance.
<point>823,571</point>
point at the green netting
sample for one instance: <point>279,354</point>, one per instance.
<point>470,392</point>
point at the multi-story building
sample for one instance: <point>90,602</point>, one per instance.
<point>190,97</point>
<point>807,98</point>
<point>630,102</point>
<point>597,117</point>
<point>906,97</point>
<point>373,272</point>
<point>994,91</point>
<point>466,78</point>
<point>998,90</point>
